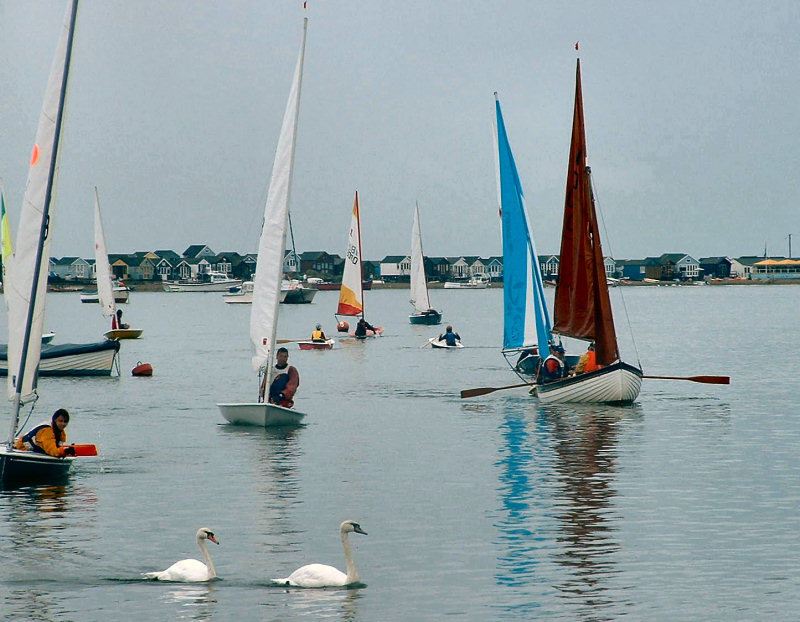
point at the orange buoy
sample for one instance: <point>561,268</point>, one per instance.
<point>343,327</point>
<point>142,369</point>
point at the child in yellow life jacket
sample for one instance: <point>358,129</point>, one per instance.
<point>48,438</point>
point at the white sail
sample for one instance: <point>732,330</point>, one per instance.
<point>351,296</point>
<point>272,244</point>
<point>105,288</point>
<point>28,283</point>
<point>419,286</point>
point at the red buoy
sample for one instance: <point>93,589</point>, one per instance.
<point>343,327</point>
<point>142,369</point>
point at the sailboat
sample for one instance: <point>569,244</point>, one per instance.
<point>26,278</point>
<point>269,270</point>
<point>582,307</point>
<point>105,287</point>
<point>351,294</point>
<point>526,321</point>
<point>425,314</point>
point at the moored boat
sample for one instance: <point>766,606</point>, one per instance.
<point>476,281</point>
<point>72,359</point>
<point>121,295</point>
<point>207,282</point>
<point>295,292</point>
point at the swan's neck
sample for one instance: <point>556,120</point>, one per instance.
<point>352,573</point>
<point>211,572</point>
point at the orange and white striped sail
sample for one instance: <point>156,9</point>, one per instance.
<point>351,296</point>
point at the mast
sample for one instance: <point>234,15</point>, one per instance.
<point>38,288</point>
<point>360,259</point>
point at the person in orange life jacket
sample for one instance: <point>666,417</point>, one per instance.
<point>553,367</point>
<point>116,321</point>
<point>318,334</point>
<point>362,327</point>
<point>587,362</point>
<point>284,382</point>
<point>48,438</point>
<point>449,337</point>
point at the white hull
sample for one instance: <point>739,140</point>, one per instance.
<point>618,383</point>
<point>218,286</point>
<point>97,361</point>
<point>260,414</point>
<point>442,345</point>
<point>120,295</point>
<point>473,283</point>
<point>241,298</point>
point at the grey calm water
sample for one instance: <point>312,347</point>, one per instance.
<point>681,507</point>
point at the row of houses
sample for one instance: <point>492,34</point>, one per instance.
<point>196,260</point>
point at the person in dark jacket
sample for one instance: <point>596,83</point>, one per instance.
<point>450,337</point>
<point>285,381</point>
<point>362,327</point>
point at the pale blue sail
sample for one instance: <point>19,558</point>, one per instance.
<point>526,321</point>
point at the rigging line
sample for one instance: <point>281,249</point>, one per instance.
<point>599,211</point>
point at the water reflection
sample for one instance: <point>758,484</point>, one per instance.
<point>200,601</point>
<point>557,485</point>
<point>585,443</point>
<point>35,550</point>
<point>339,604</point>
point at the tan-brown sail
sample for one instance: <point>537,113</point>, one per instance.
<point>582,305</point>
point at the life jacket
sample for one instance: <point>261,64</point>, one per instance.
<point>316,335</point>
<point>30,438</point>
<point>548,376</point>
<point>591,362</point>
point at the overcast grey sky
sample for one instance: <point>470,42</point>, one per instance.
<point>175,106</point>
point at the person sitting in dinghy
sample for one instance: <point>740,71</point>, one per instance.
<point>554,367</point>
<point>450,337</point>
<point>116,321</point>
<point>318,335</point>
<point>48,438</point>
<point>362,327</point>
<point>285,381</point>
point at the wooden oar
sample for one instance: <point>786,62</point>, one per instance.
<point>706,379</point>
<point>427,343</point>
<point>485,390</point>
<point>289,340</point>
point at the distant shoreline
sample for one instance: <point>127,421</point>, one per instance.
<point>157,286</point>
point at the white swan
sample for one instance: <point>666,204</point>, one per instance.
<point>190,569</point>
<point>320,575</point>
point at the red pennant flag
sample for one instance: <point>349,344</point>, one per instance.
<point>576,45</point>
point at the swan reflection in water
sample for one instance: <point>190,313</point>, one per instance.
<point>200,599</point>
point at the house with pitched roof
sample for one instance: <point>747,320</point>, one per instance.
<point>71,268</point>
<point>396,268</point>
<point>198,250</point>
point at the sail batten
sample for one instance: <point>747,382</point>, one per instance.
<point>272,242</point>
<point>582,303</point>
<point>526,320</point>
